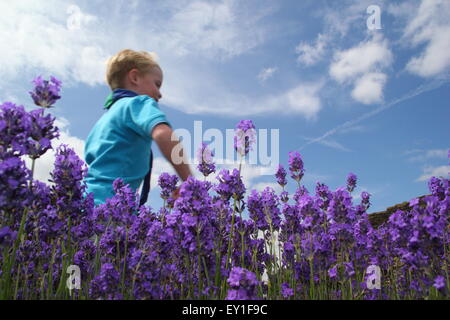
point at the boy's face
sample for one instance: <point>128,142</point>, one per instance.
<point>148,83</point>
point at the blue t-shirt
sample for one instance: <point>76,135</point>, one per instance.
<point>119,145</point>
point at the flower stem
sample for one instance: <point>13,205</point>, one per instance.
<point>33,161</point>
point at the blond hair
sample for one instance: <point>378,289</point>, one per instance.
<point>120,64</point>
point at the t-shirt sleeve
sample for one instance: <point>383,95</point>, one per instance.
<point>143,114</point>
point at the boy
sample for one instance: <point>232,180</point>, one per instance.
<point>119,145</point>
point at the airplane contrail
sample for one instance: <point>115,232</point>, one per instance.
<point>432,85</point>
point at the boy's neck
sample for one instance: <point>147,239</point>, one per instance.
<point>134,91</point>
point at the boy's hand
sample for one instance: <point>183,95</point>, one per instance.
<point>162,135</point>
<point>176,193</point>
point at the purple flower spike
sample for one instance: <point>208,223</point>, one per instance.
<point>104,286</point>
<point>435,186</point>
<point>439,282</point>
<point>296,166</point>
<point>243,284</point>
<point>351,182</point>
<point>7,236</point>
<point>168,184</point>
<point>245,136</point>
<point>264,209</point>
<point>205,157</point>
<point>365,200</point>
<point>42,131</point>
<point>281,176</point>
<point>286,291</point>
<point>230,185</point>
<point>45,92</point>
<point>332,272</point>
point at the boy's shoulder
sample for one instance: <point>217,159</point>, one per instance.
<point>141,100</point>
<point>128,104</point>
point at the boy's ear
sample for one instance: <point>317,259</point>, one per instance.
<point>133,76</point>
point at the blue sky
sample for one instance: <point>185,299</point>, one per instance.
<point>349,99</point>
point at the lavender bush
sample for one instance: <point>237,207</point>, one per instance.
<point>309,245</point>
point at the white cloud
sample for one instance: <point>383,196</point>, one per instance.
<point>190,37</point>
<point>366,57</point>
<point>430,26</point>
<point>250,173</point>
<point>361,66</point>
<point>424,155</point>
<point>404,9</point>
<point>305,99</point>
<point>183,94</point>
<point>90,68</point>
<point>311,54</point>
<point>369,88</point>
<point>45,164</point>
<point>428,172</point>
<point>217,29</point>
<point>266,73</point>
<point>39,39</point>
<point>263,185</point>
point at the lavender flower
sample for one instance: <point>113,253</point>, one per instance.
<point>351,182</point>
<point>105,285</point>
<point>193,209</point>
<point>365,197</point>
<point>323,191</point>
<point>14,177</point>
<point>122,208</point>
<point>245,136</point>
<point>205,157</point>
<point>69,187</point>
<point>439,282</point>
<point>243,284</point>
<point>25,133</point>
<point>365,200</point>
<point>45,92</point>
<point>300,192</point>
<point>42,131</point>
<point>286,291</point>
<point>332,273</point>
<point>284,196</point>
<point>264,209</point>
<point>168,184</point>
<point>7,236</point>
<point>15,125</point>
<point>281,176</point>
<point>436,188</point>
<point>230,185</point>
<point>296,166</point>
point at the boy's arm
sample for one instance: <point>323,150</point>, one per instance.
<point>162,135</point>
